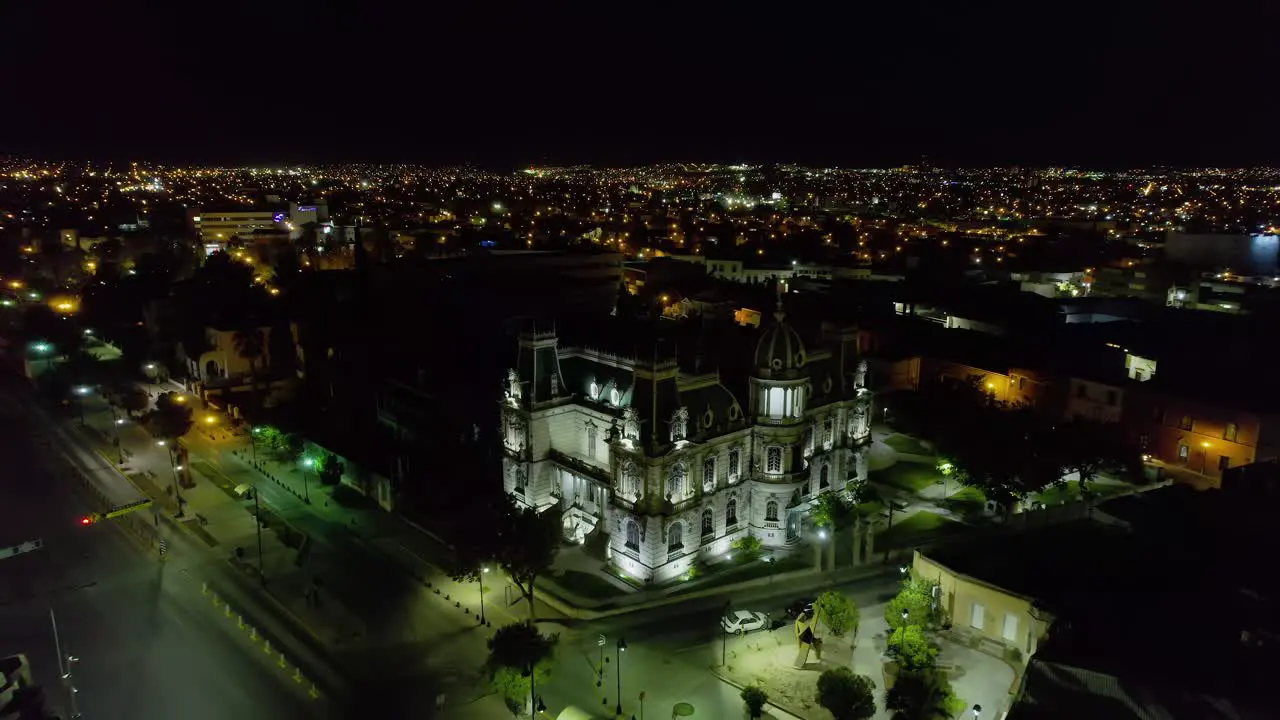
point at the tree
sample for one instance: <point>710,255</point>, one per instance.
<point>755,697</point>
<point>837,612</point>
<point>909,647</point>
<point>747,548</point>
<point>845,695</point>
<point>251,345</point>
<point>1087,448</point>
<point>292,445</point>
<point>920,695</point>
<point>527,545</point>
<point>330,470</point>
<point>828,511</point>
<point>133,399</point>
<point>171,418</point>
<point>517,653</point>
<point>916,598</point>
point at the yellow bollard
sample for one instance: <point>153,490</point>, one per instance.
<point>226,610</point>
<point>282,663</point>
<point>253,633</point>
<point>266,646</point>
<point>297,675</point>
<point>216,599</point>
<point>204,589</point>
<point>240,621</point>
<point>313,692</point>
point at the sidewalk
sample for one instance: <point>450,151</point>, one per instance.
<point>771,660</point>
<point>224,522</point>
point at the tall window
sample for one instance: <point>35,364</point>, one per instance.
<point>594,390</point>
<point>828,434</point>
<point>679,424</point>
<point>630,480</point>
<point>709,473</point>
<point>1230,433</point>
<point>592,435</point>
<point>731,513</point>
<point>771,511</point>
<point>708,522</point>
<point>615,397</point>
<point>675,537</point>
<point>521,478</point>
<point>824,476</point>
<point>773,460</point>
<point>675,485</point>
<point>735,461</point>
<point>633,535</point>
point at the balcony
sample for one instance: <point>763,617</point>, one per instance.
<point>580,467</point>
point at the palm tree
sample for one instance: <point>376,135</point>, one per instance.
<point>921,695</point>
<point>251,344</point>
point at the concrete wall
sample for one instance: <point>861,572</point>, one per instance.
<point>978,607</point>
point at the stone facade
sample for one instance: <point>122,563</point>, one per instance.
<point>666,462</point>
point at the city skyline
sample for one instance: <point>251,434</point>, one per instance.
<point>509,88</point>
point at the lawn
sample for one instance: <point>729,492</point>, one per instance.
<point>912,477</point>
<point>728,573</point>
<point>966,501</point>
<point>917,529</point>
<point>907,444</point>
<point>1070,492</point>
<point>587,585</point>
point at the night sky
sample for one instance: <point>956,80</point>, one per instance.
<point>833,83</point>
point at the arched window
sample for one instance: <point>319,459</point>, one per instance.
<point>771,511</point>
<point>615,397</point>
<point>824,476</point>
<point>675,486</point>
<point>675,537</point>
<point>731,513</point>
<point>708,522</point>
<point>633,535</point>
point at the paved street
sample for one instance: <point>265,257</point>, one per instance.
<point>150,646</point>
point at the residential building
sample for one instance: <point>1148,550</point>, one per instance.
<point>1204,435</point>
<point>658,454</point>
<point>1095,400</point>
<point>992,615</point>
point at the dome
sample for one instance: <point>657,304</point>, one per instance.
<point>780,348</point>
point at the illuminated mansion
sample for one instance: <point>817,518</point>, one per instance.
<point>661,456</point>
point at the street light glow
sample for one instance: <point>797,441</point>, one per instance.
<point>308,462</point>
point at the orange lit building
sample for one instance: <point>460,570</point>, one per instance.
<point>1205,437</point>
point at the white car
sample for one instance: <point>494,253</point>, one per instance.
<point>741,622</point>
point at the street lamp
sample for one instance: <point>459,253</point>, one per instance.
<point>535,703</point>
<point>307,463</point>
<point>64,665</point>
<point>116,422</point>
<point>253,442</point>
<point>977,710</point>
<point>724,633</point>
<point>622,647</point>
<point>81,392</point>
<point>177,490</point>
<point>483,570</point>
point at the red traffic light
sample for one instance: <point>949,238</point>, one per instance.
<point>86,520</point>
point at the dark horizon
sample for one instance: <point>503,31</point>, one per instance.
<point>1097,87</point>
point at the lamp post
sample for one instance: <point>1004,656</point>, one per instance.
<point>177,489</point>
<point>820,546</point>
<point>483,571</point>
<point>307,464</point>
<point>257,520</point>
<point>622,647</point>
<point>724,634</point>
<point>81,392</point>
<point>253,442</point>
<point>64,666</point>
<point>977,710</point>
<point>116,422</point>
<point>535,703</point>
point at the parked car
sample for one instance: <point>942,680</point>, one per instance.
<point>741,622</point>
<point>803,605</point>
